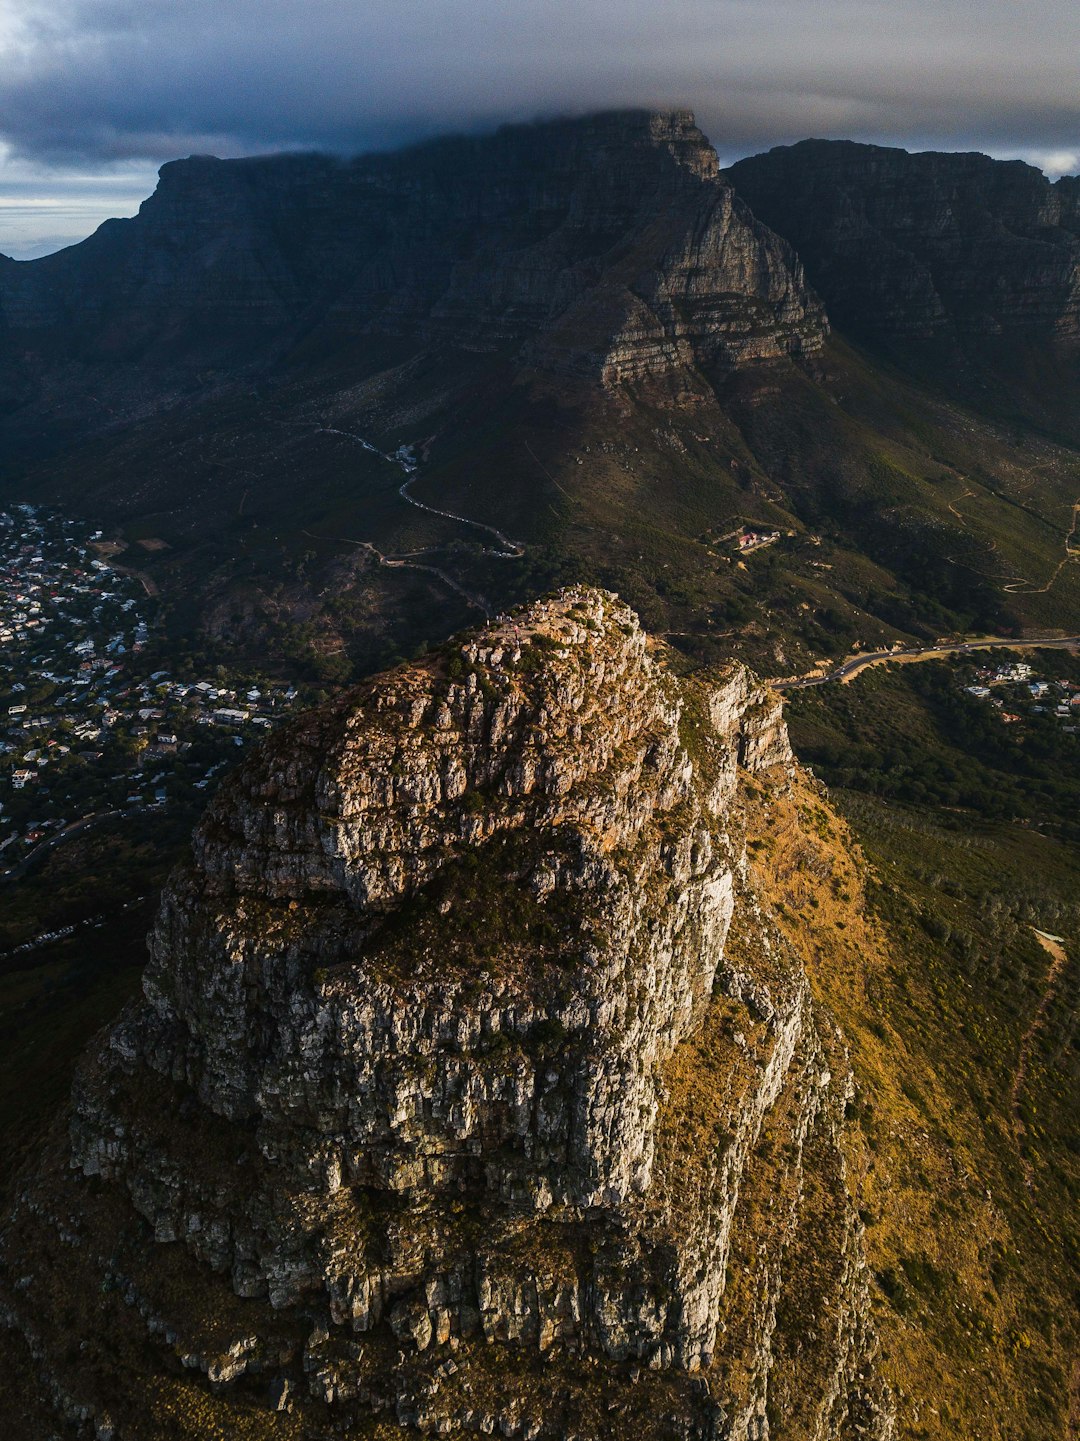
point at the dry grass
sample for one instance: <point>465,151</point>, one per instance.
<point>930,1175</point>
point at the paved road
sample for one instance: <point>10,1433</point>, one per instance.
<point>852,667</point>
<point>508,549</point>
<point>52,841</point>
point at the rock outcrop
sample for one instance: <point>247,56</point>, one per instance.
<point>471,1088</point>
<point>925,246</point>
<point>608,245</point>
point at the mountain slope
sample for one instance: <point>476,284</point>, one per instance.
<point>964,267</point>
<point>594,350</point>
<point>528,1044</point>
<point>943,245</point>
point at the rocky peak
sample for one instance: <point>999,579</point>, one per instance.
<point>954,246</point>
<point>466,1063</point>
<point>545,753</point>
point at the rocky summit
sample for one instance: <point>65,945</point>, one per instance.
<point>472,1088</point>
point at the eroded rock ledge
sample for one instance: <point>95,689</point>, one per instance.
<point>471,1089</point>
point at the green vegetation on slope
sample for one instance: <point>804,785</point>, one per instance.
<point>965,1036</point>
<point>912,734</point>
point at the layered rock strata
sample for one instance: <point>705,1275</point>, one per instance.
<point>470,1089</point>
<point>608,245</point>
<point>926,246</point>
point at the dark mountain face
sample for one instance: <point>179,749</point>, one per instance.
<point>617,230</point>
<point>957,247</point>
<point>592,343</point>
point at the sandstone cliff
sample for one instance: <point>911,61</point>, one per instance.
<point>616,229</point>
<point>471,1089</point>
<point>929,245</point>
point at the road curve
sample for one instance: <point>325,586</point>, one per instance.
<point>855,664</point>
<point>51,842</point>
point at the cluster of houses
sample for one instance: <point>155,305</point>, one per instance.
<point>1027,693</point>
<point>86,726</point>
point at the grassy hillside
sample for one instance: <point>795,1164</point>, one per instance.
<point>967,1062</point>
<point>898,513</point>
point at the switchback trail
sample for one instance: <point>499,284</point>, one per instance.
<point>507,550</point>
<point>1023,587</point>
<point>1058,961</point>
<point>404,562</point>
<point>856,664</point>
<point>952,504</point>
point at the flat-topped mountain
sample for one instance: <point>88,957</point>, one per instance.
<point>929,245</point>
<point>472,1087</point>
<point>616,231</point>
<point>582,337</point>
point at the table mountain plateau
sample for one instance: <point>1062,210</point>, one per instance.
<point>614,238</point>
<point>472,1088</point>
<point>589,343</point>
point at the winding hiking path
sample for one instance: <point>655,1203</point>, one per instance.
<point>1072,552</point>
<point>1058,961</point>
<point>507,550</point>
<point>966,494</point>
<point>852,667</point>
<point>403,562</point>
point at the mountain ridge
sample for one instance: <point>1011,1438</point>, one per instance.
<point>927,245</point>
<point>588,342</point>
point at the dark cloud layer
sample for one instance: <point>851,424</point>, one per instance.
<point>87,86</point>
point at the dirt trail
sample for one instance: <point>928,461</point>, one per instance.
<point>402,562</point>
<point>1072,552</point>
<point>1058,961</point>
<point>952,504</point>
<point>1018,586</point>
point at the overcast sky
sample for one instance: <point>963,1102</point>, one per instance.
<point>95,94</point>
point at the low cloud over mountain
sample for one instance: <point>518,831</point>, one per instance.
<point>89,85</point>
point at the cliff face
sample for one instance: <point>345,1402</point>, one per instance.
<point>927,245</point>
<point>466,1063</point>
<point>616,227</point>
